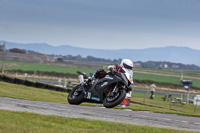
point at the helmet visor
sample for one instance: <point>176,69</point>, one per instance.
<point>127,66</point>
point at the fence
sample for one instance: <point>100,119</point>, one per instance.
<point>32,83</point>
<point>165,100</point>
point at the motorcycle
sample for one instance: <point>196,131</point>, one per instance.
<point>110,89</point>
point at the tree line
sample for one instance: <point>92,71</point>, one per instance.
<point>91,59</point>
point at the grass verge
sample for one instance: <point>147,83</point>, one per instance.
<point>31,93</point>
<point>19,122</point>
<point>35,94</point>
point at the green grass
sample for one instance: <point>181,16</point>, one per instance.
<point>157,78</point>
<point>158,105</point>
<point>36,94</point>
<point>31,93</point>
<point>163,79</point>
<point>170,71</point>
<point>50,68</point>
<point>29,122</point>
<point>23,122</point>
<point>43,67</point>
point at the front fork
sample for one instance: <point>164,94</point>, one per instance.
<point>82,86</point>
<point>115,90</point>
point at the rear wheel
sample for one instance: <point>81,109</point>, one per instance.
<point>111,101</point>
<point>76,95</point>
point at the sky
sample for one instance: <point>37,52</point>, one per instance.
<point>102,24</point>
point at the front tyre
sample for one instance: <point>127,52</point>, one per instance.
<point>75,95</point>
<point>112,101</point>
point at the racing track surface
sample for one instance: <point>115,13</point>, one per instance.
<point>100,113</point>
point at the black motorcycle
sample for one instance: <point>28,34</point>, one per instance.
<point>109,89</point>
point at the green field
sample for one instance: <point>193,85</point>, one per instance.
<point>51,68</point>
<point>163,79</point>
<point>23,122</point>
<point>10,65</point>
<point>170,71</point>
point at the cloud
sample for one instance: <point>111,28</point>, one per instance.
<point>92,23</point>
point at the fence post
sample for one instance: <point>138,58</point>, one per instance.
<point>197,100</point>
<point>145,94</point>
<point>25,76</point>
<point>65,84</point>
<point>34,75</point>
<point>51,80</point>
<point>195,108</point>
<point>188,96</point>
<point>2,69</point>
<point>170,107</point>
<point>59,81</point>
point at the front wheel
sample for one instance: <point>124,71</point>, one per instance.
<point>111,101</point>
<point>76,95</point>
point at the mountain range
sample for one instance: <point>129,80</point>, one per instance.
<point>175,54</point>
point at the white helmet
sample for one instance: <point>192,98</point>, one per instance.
<point>126,64</point>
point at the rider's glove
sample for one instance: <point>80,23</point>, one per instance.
<point>113,70</point>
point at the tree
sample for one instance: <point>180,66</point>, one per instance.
<point>60,59</point>
<point>16,50</point>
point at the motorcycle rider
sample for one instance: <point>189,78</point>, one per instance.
<point>126,65</point>
<point>111,88</point>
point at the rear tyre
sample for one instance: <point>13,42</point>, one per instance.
<point>75,96</point>
<point>110,102</point>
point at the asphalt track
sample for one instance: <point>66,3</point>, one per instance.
<point>100,113</point>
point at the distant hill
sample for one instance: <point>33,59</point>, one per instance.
<point>183,55</point>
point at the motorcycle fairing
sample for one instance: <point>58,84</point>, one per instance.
<point>100,86</point>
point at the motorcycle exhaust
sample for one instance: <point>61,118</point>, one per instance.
<point>81,79</point>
